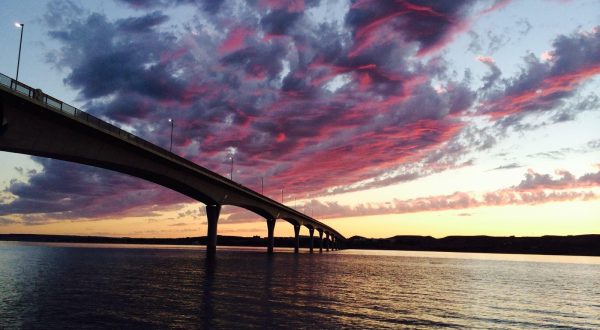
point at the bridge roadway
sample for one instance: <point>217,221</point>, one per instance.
<point>37,124</point>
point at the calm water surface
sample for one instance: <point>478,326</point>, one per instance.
<point>99,286</point>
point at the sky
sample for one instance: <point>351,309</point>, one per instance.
<point>379,118</point>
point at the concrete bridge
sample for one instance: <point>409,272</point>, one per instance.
<point>34,123</point>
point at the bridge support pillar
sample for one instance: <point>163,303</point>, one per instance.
<point>296,238</point>
<point>311,242</point>
<point>320,240</point>
<point>212,215</point>
<point>327,242</point>
<point>271,236</point>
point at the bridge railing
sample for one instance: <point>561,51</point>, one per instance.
<point>72,111</point>
<point>56,104</point>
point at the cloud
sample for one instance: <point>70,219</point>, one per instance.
<point>150,4</point>
<point>455,201</point>
<point>104,62</point>
<point>565,180</point>
<point>524,25</point>
<point>179,224</point>
<point>279,22</point>
<point>142,24</point>
<point>247,99</point>
<point>68,191</point>
<point>485,59</point>
<point>545,85</point>
<point>4,221</point>
<point>508,166</point>
<point>497,5</point>
<point>535,189</point>
<point>490,79</point>
<point>432,25</point>
<point>310,106</point>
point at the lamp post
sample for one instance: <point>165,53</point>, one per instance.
<point>172,123</point>
<point>22,26</point>
<point>231,172</point>
<point>262,185</point>
<point>281,195</point>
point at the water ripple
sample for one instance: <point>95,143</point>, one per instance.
<point>76,287</point>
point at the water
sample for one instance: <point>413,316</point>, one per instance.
<point>98,286</point>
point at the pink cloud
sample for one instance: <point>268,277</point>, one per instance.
<point>485,59</point>
<point>432,27</point>
<point>270,99</point>
<point>289,5</point>
<point>543,95</point>
<point>499,4</point>
<point>235,40</point>
<point>543,85</point>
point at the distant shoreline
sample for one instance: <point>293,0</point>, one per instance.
<point>576,245</point>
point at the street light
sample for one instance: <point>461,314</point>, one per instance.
<point>231,172</point>
<point>172,123</point>
<point>22,26</point>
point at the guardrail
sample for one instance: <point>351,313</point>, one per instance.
<point>71,111</point>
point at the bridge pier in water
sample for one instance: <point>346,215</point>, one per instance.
<point>271,235</point>
<point>311,242</point>
<point>212,215</point>
<point>320,240</point>
<point>296,238</point>
<point>327,242</point>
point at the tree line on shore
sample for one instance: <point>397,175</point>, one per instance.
<point>585,245</point>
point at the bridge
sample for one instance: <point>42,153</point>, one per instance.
<point>34,123</point>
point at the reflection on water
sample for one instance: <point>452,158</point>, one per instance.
<point>57,286</point>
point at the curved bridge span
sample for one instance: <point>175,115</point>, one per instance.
<point>37,124</point>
